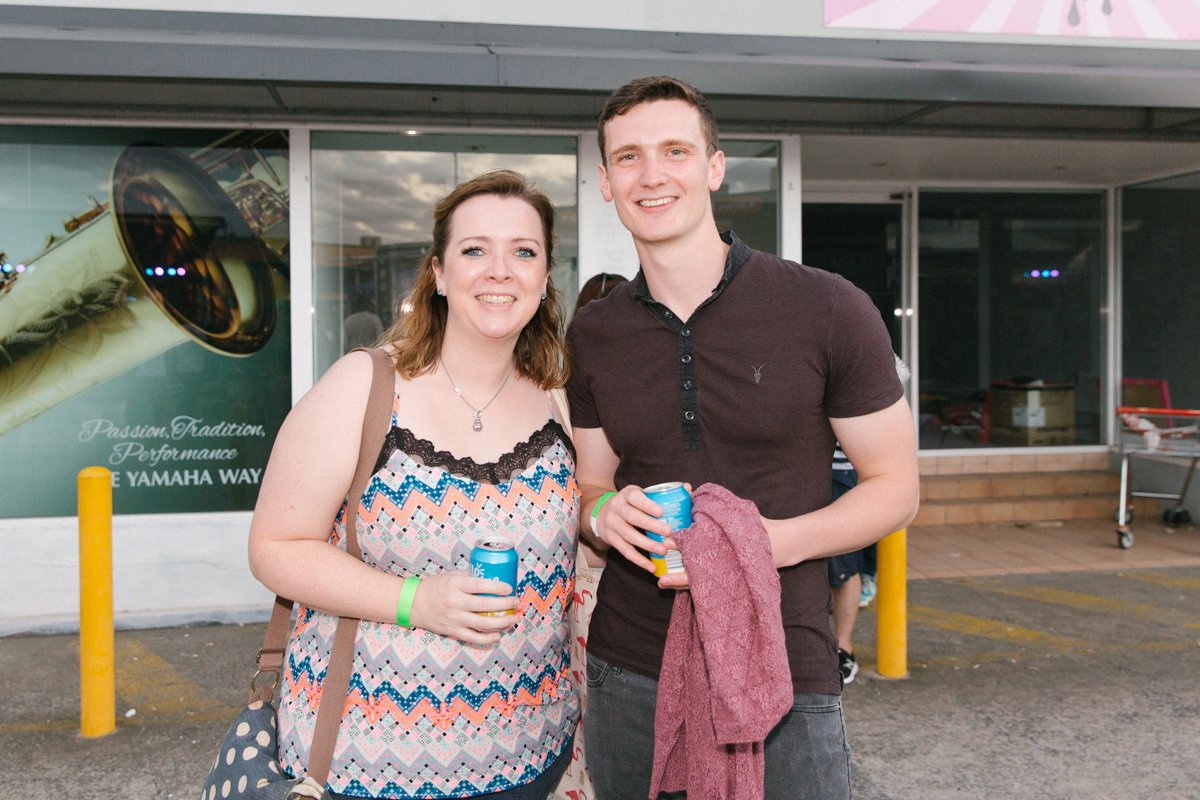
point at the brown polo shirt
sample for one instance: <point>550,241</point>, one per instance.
<point>739,395</point>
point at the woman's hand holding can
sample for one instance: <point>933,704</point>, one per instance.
<point>470,609</point>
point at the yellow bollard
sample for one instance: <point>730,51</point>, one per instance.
<point>97,682</point>
<point>892,605</point>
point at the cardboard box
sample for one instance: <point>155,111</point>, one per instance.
<point>1051,406</point>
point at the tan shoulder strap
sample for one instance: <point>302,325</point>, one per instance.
<point>376,424</point>
<point>560,400</point>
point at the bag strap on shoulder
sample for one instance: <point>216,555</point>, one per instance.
<point>560,400</point>
<point>376,423</point>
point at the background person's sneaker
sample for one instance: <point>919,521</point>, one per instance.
<point>847,665</point>
<point>869,589</point>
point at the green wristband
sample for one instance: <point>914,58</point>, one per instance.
<point>603,499</point>
<point>404,605</point>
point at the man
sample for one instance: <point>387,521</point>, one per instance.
<point>727,365</point>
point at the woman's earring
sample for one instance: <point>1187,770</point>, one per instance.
<point>440,292</point>
<point>543,295</point>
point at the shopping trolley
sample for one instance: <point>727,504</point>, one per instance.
<point>1160,432</point>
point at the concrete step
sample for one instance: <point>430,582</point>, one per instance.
<point>1017,497</point>
<point>995,486</point>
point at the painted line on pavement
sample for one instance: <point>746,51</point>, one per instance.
<point>1157,578</point>
<point>993,629</point>
<point>147,683</point>
<point>1061,597</point>
<point>10,728</point>
<point>1090,602</point>
<point>867,658</point>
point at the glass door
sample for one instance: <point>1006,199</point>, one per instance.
<point>862,242</point>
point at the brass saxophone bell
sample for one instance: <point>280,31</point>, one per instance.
<point>170,213</point>
<point>172,259</point>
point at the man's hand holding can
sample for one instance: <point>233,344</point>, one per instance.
<point>638,521</point>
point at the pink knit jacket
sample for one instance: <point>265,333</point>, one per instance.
<point>725,681</point>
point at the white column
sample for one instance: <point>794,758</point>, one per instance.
<point>300,235</point>
<point>604,244</point>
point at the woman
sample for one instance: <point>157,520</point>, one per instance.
<point>458,704</point>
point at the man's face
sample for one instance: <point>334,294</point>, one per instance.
<point>659,174</point>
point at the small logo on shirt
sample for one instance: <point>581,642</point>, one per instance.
<point>757,372</point>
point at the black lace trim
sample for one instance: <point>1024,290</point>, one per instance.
<point>507,467</point>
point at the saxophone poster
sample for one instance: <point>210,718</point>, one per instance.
<point>143,315</point>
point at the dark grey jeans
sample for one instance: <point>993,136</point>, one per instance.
<point>807,757</point>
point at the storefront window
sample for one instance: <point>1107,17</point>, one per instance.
<point>861,242</point>
<point>1011,327</point>
<point>748,200</point>
<point>373,200</point>
<point>143,315</point>
<point>1160,267</point>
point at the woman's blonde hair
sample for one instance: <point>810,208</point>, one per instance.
<point>417,336</point>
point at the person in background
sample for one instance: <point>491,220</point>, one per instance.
<point>846,571</point>
<point>722,364</point>
<point>852,575</point>
<point>452,693</point>
<point>363,327</point>
<point>597,287</point>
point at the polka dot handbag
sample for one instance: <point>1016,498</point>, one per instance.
<point>246,767</point>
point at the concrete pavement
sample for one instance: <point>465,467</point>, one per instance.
<point>1031,686</point>
<point>1057,685</point>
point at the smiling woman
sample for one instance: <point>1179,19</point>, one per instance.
<point>485,285</point>
<point>499,465</point>
<point>495,270</point>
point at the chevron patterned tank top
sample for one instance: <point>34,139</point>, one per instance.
<point>428,716</point>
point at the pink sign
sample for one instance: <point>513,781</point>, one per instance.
<point>1102,19</point>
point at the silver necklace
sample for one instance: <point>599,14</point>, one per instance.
<point>477,425</point>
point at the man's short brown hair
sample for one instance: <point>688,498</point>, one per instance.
<point>649,89</point>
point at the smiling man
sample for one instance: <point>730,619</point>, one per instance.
<point>722,364</point>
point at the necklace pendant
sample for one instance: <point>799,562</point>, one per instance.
<point>477,424</point>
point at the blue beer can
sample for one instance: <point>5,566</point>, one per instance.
<point>677,512</point>
<point>496,560</point>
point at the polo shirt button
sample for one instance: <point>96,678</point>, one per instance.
<point>667,314</point>
<point>689,415</point>
<point>687,384</point>
<point>686,332</point>
<point>686,358</point>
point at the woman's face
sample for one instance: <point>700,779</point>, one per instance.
<point>494,268</point>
